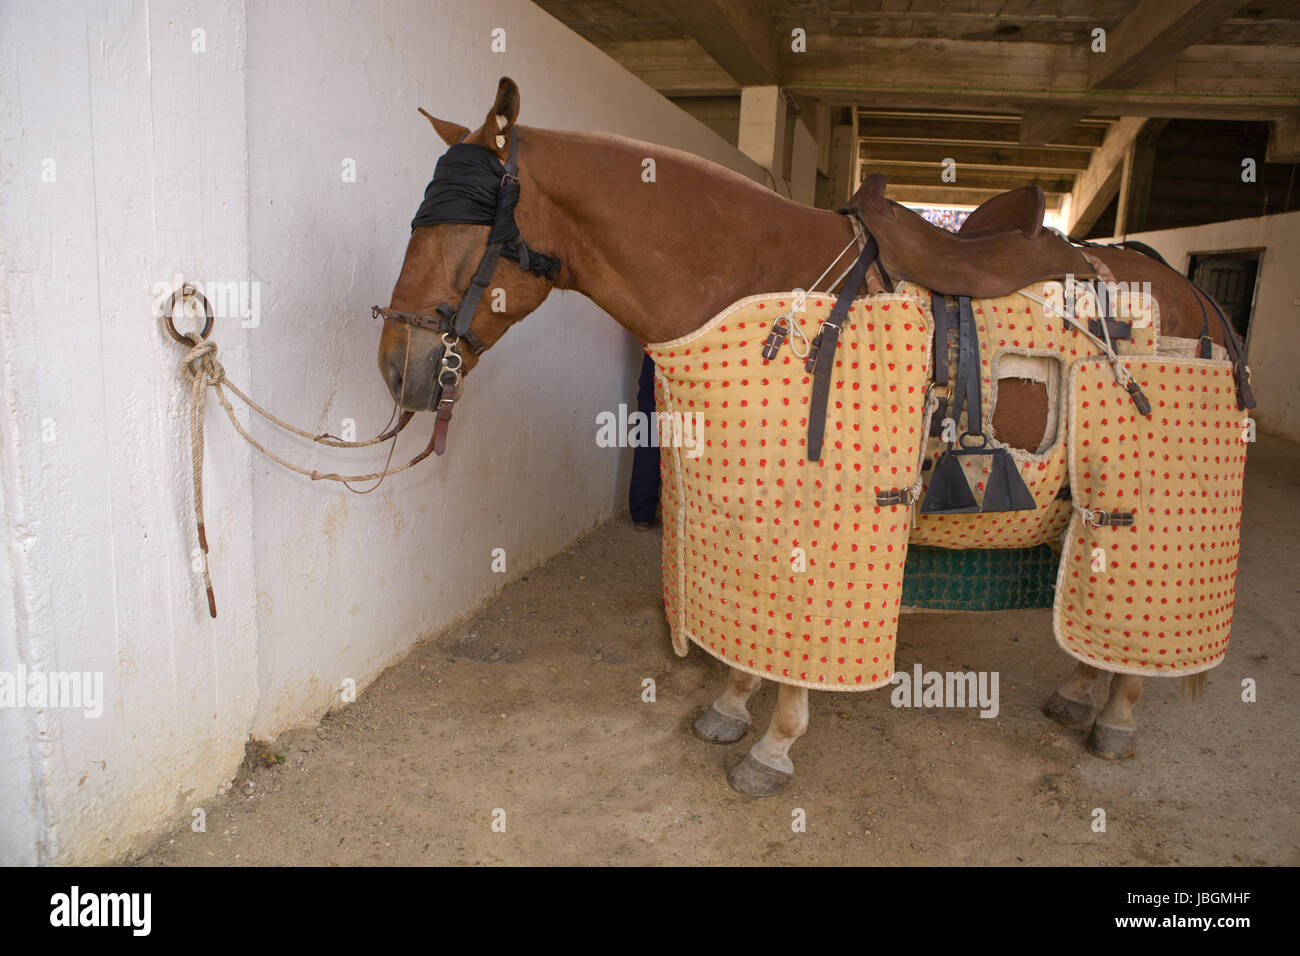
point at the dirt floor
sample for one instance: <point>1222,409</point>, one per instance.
<point>535,708</point>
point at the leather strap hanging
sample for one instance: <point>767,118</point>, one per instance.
<point>821,358</point>
<point>941,309</point>
<point>968,370</point>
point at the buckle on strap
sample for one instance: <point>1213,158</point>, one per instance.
<point>1107,519</point>
<point>895,496</point>
<point>1241,378</point>
<point>1139,399</point>
<point>776,338</point>
<point>810,361</point>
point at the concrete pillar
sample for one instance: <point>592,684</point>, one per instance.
<point>762,127</point>
<point>803,164</point>
<point>844,161</point>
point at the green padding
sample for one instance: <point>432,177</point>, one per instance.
<point>943,579</point>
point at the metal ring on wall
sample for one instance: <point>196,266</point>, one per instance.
<point>186,291</point>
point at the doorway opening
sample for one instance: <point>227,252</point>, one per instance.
<point>1230,278</point>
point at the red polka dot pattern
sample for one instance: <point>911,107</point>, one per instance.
<point>783,567</point>
<point>1162,602</point>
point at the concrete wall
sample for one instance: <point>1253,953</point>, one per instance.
<point>124,160</point>
<point>1274,338</point>
<point>219,155</point>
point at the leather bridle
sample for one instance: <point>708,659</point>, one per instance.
<point>455,324</point>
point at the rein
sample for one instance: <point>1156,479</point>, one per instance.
<point>201,367</point>
<point>490,200</point>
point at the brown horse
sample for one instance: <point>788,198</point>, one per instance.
<point>648,251</point>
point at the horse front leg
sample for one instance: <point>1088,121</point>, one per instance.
<point>727,719</point>
<point>767,768</point>
<point>1072,703</point>
<point>1115,731</point>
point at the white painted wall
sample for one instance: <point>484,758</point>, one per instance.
<point>225,165</point>
<point>1274,339</point>
<point>148,152</point>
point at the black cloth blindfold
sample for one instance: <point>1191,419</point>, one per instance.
<point>467,187</point>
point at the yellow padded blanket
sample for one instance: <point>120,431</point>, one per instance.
<point>1018,327</point>
<point>1156,597</point>
<point>781,567</point>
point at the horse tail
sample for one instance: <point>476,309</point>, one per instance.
<point>1194,685</point>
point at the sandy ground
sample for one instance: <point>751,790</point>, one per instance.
<point>534,708</point>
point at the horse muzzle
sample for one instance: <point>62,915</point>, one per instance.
<point>416,381</point>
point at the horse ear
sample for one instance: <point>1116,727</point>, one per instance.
<point>504,113</point>
<point>450,132</point>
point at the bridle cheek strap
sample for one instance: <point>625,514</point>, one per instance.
<point>464,312</point>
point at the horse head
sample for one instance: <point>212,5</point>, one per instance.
<point>467,275</point>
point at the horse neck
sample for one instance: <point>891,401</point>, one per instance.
<point>663,257</point>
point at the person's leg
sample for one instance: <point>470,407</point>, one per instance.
<point>643,492</point>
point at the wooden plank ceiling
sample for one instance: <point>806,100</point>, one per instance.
<point>1009,89</point>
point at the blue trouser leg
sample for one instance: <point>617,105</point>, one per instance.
<point>643,492</point>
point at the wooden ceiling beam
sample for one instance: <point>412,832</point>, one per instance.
<point>908,174</point>
<point>1284,141</point>
<point>736,34</point>
<point>1244,82</point>
<point>954,195</point>
<point>988,130</point>
<point>966,156</point>
<point>1099,183</point>
<point>674,67</point>
<point>1240,82</point>
<point>1040,125</point>
<point>1155,32</point>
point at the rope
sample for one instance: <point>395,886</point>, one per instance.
<point>914,490</point>
<point>835,261</point>
<point>201,368</point>
<point>1122,376</point>
<point>198,404</point>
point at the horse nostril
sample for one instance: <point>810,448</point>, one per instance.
<point>395,378</point>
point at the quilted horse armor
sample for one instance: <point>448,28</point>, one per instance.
<point>789,565</point>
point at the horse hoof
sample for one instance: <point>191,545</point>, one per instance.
<point>1111,743</point>
<point>1068,713</point>
<point>717,728</point>
<point>755,779</point>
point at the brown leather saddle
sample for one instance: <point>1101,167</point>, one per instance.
<point>1000,249</point>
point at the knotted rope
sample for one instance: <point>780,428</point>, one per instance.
<point>201,367</point>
